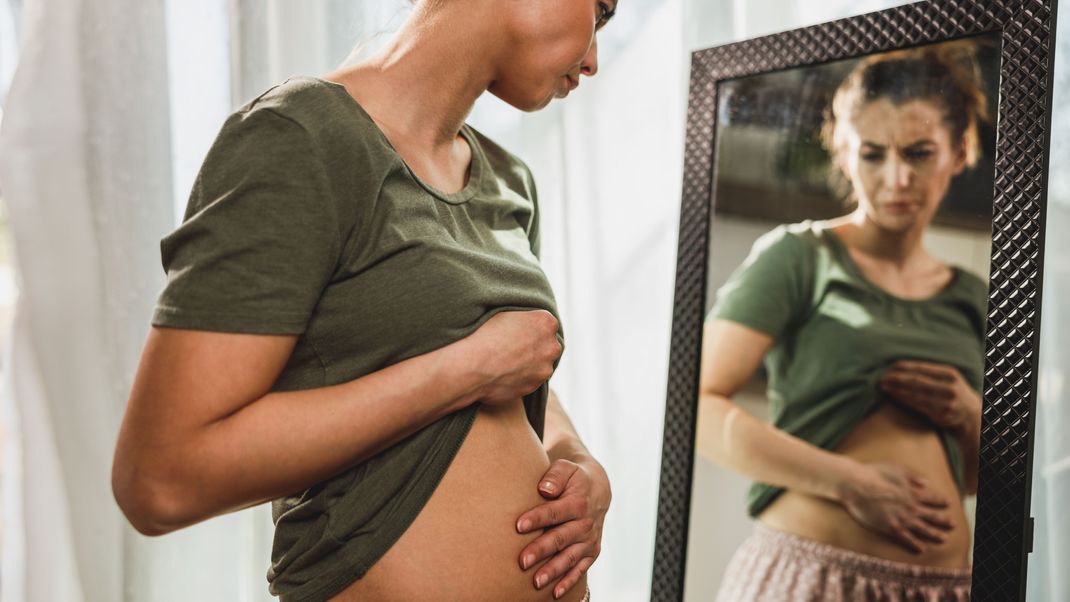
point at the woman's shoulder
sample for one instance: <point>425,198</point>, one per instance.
<point>970,280</point>
<point>797,238</point>
<point>971,287</point>
<point>503,163</point>
<point>323,110</point>
<point>302,98</point>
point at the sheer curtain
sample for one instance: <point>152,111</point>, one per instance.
<point>90,173</point>
<point>84,167</point>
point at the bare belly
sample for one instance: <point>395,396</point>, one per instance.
<point>463,546</point>
<point>893,436</point>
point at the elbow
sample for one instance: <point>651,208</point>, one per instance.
<point>150,504</point>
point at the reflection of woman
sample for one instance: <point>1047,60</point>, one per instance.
<point>333,335</point>
<point>874,355</point>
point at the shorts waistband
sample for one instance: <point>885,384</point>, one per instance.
<point>766,536</point>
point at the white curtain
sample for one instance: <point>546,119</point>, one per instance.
<point>85,171</point>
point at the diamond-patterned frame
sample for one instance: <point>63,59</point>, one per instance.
<point>1003,536</point>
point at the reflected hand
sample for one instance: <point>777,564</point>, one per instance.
<point>937,391</point>
<point>578,497</point>
<point>897,504</point>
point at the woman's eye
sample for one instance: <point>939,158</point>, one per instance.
<point>873,157</point>
<point>918,155</point>
<point>604,13</point>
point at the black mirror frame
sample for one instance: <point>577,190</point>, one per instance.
<point>1003,535</point>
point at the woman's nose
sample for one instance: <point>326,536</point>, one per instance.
<point>589,66</point>
<point>898,172</point>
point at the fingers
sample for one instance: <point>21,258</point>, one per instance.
<point>924,494</point>
<point>552,513</point>
<point>573,576</point>
<point>557,476</point>
<point>917,384</point>
<point>559,565</point>
<point>908,540</point>
<point>555,541</point>
<point>939,372</point>
<point>904,395</point>
<point>926,533</point>
<point>937,519</point>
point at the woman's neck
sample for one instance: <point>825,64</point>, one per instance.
<point>421,87</point>
<point>902,249</point>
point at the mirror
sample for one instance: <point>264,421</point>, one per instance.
<point>838,421</point>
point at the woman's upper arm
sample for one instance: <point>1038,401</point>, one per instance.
<point>762,298</point>
<point>731,354</point>
<point>188,379</point>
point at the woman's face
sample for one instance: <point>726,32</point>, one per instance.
<point>900,160</point>
<point>553,43</point>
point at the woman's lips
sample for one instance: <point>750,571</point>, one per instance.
<point>900,206</point>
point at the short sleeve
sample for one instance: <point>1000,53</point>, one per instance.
<point>260,239</point>
<point>771,289</point>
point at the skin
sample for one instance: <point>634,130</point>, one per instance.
<point>901,167</point>
<point>900,161</point>
<point>444,58</point>
<point>203,436</point>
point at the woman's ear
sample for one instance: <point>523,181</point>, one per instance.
<point>961,156</point>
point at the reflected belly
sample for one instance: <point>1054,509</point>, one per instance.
<point>894,436</point>
<point>463,545</point>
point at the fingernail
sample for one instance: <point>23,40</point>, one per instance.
<point>523,525</point>
<point>541,579</point>
<point>547,486</point>
<point>558,593</point>
<point>528,561</point>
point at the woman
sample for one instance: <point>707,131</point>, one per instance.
<point>356,327</point>
<point>874,354</point>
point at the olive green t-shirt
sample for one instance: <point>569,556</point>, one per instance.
<point>304,220</point>
<point>836,333</point>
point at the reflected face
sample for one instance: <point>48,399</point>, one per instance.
<point>900,160</point>
<point>554,46</point>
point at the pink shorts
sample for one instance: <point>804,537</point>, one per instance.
<point>774,566</point>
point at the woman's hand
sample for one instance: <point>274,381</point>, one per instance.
<point>935,390</point>
<point>578,497</point>
<point>897,504</point>
<point>512,354</point>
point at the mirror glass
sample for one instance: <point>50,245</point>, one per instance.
<point>842,363</point>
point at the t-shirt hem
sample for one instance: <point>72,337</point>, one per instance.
<point>358,566</point>
<point>250,323</point>
<point>744,320</point>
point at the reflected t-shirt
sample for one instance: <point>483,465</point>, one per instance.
<point>304,220</point>
<point>836,333</point>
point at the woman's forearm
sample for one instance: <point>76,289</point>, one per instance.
<point>560,437</point>
<point>562,442</point>
<point>732,438</point>
<point>288,441</point>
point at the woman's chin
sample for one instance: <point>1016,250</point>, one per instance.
<point>528,104</point>
<point>898,223</point>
